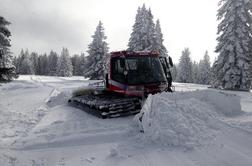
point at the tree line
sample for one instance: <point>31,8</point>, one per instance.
<point>52,64</point>
<point>188,71</point>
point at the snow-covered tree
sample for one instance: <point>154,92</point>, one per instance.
<point>143,35</point>
<point>75,62</point>
<point>78,62</point>
<point>97,54</point>
<point>158,45</point>
<point>35,62</point>
<point>43,64</point>
<point>195,72</point>
<point>214,81</point>
<point>185,67</point>
<point>26,66</point>
<point>233,64</point>
<point>7,68</point>
<point>64,64</point>
<point>52,63</point>
<point>205,70</point>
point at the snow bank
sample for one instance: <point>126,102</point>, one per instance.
<point>185,118</point>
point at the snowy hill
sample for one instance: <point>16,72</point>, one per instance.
<point>203,127</point>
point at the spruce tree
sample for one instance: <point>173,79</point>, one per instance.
<point>185,67</point>
<point>214,81</point>
<point>195,72</point>
<point>75,62</point>
<point>35,62</point>
<point>78,62</point>
<point>159,46</point>
<point>7,68</point>
<point>26,66</point>
<point>234,61</point>
<point>52,63</point>
<point>97,55</point>
<point>205,70</point>
<point>82,64</point>
<point>44,64</point>
<point>64,64</point>
<point>143,35</point>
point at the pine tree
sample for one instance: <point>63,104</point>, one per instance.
<point>205,70</point>
<point>75,62</point>
<point>52,63</point>
<point>78,62</point>
<point>7,68</point>
<point>34,61</point>
<point>97,55</point>
<point>143,36</point>
<point>185,67</point>
<point>214,81</point>
<point>26,66</point>
<point>195,72</point>
<point>159,46</point>
<point>64,64</point>
<point>233,64</point>
<point>43,64</point>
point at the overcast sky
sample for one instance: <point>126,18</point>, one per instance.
<point>42,25</point>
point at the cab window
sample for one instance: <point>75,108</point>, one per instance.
<point>117,70</point>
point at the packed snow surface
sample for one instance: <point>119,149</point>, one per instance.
<point>185,118</point>
<point>191,127</point>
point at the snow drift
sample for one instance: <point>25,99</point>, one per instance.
<point>185,118</point>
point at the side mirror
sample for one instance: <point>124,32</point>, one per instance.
<point>170,61</point>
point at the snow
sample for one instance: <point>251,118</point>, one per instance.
<point>193,126</point>
<point>185,118</point>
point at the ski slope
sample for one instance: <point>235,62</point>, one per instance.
<point>38,128</point>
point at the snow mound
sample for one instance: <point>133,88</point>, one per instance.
<point>185,118</point>
<point>57,98</point>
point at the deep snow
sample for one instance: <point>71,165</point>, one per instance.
<point>203,127</point>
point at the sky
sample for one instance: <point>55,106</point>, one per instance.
<point>44,25</point>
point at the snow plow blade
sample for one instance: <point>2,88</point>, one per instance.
<point>107,105</point>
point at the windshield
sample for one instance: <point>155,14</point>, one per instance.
<point>144,70</point>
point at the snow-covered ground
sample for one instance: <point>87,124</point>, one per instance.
<point>199,127</point>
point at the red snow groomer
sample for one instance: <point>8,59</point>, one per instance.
<point>131,77</point>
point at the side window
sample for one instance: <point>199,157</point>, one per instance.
<point>117,70</point>
<point>116,66</point>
